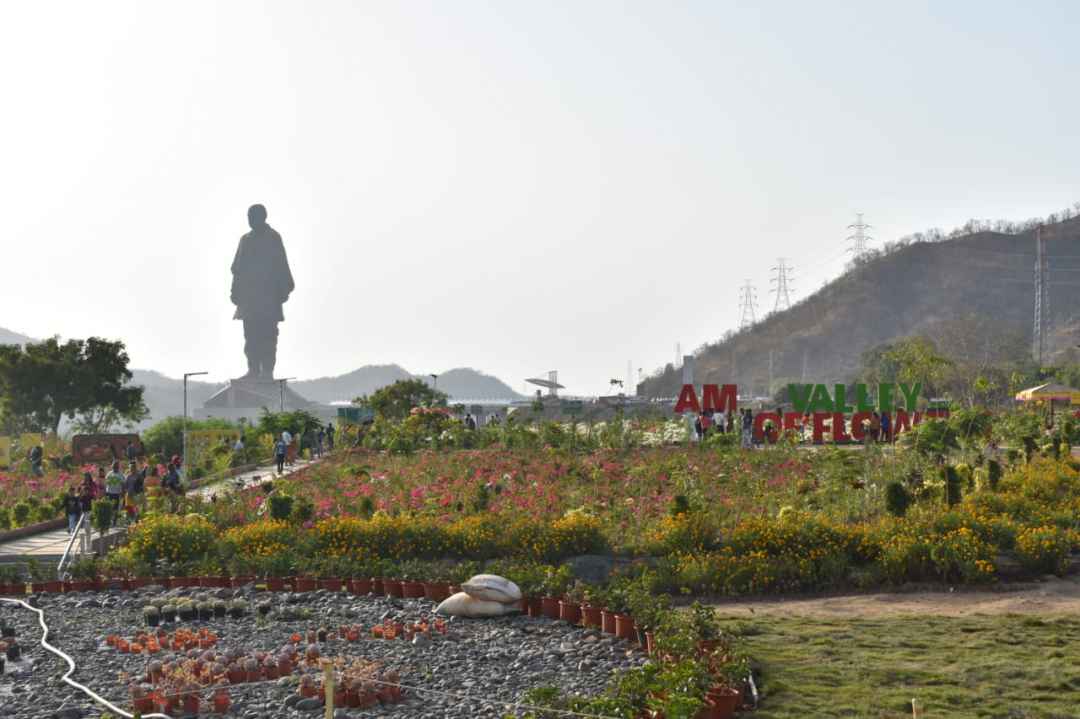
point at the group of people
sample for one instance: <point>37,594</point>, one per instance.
<point>126,491</point>
<point>319,441</point>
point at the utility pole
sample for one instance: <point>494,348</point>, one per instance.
<point>859,240</point>
<point>782,282</point>
<point>281,389</point>
<point>1042,298</point>
<point>747,306</point>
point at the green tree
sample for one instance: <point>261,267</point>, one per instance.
<point>166,438</point>
<point>397,400</point>
<point>43,382</point>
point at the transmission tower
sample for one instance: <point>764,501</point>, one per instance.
<point>747,305</point>
<point>1042,298</point>
<point>782,285</point>
<point>859,240</point>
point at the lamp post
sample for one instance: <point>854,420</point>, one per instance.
<point>281,387</point>
<point>184,431</point>
<point>434,381</point>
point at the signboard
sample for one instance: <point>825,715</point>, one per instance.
<point>92,448</point>
<point>355,415</point>
<point>5,451</point>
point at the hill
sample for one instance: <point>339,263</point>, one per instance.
<point>973,288</point>
<point>7,337</point>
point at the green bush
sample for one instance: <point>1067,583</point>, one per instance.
<point>302,510</point>
<point>953,485</point>
<point>281,506</point>
<point>101,514</point>
<point>897,498</point>
<point>21,513</point>
<point>5,518</point>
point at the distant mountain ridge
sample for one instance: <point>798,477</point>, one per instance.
<point>164,396</point>
<point>922,285</point>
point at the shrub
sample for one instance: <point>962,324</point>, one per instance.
<point>261,539</point>
<point>171,538</point>
<point>281,506</point>
<point>953,483</point>
<point>302,510</point>
<point>101,514</point>
<point>897,498</point>
<point>1044,550</point>
<point>21,513</point>
<point>688,532</point>
<point>962,555</point>
<point>5,518</point>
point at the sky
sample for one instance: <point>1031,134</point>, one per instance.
<point>512,186</point>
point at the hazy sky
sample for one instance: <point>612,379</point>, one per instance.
<point>515,186</point>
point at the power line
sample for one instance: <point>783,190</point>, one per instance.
<point>747,306</point>
<point>782,283</point>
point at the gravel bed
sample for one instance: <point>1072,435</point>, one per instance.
<point>490,660</point>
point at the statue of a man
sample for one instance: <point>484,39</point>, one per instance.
<point>261,285</point>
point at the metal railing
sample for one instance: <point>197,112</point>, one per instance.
<point>65,560</point>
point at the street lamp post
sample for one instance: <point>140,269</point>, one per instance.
<point>281,387</point>
<point>184,430</point>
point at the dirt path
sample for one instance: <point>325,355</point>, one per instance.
<point>1052,596</point>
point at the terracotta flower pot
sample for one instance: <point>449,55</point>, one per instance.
<point>377,585</point>
<point>143,705</point>
<point>607,621</point>
<point>305,584</point>
<point>412,590</point>
<point>339,697</point>
<point>352,699</point>
<point>330,584</point>
<point>534,607</point>
<point>360,587</point>
<point>590,616</point>
<point>191,703</point>
<point>54,587</point>
<point>240,581</point>
<point>570,612</point>
<point>549,607</point>
<point>275,584</point>
<point>624,627</point>
<point>393,588</point>
<point>721,703</point>
<point>221,701</point>
<point>436,591</point>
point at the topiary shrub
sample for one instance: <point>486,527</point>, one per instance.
<point>21,512</point>
<point>302,510</point>
<point>101,513</point>
<point>953,485</point>
<point>897,498</point>
<point>993,476</point>
<point>281,506</point>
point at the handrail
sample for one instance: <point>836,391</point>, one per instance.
<point>71,542</point>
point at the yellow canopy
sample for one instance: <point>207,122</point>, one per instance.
<point>1050,391</point>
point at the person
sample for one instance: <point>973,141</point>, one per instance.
<point>330,436</point>
<point>131,452</point>
<point>114,489</point>
<point>320,438</point>
<point>171,481</point>
<point>747,429</point>
<point>886,427</point>
<point>86,493</point>
<point>73,509</point>
<point>698,429</point>
<point>133,486</point>
<point>37,455</point>
<point>287,438</point>
<point>470,422</point>
<point>875,427</point>
<point>721,421</point>
<point>706,425</point>
<point>280,449</point>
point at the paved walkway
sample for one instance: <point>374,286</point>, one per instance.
<point>51,545</point>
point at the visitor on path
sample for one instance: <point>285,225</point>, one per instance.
<point>86,493</point>
<point>72,508</point>
<point>698,429</point>
<point>280,450</point>
<point>320,438</point>
<point>470,421</point>
<point>720,419</point>
<point>330,436</point>
<point>114,489</point>
<point>747,429</point>
<point>706,425</point>
<point>238,445</point>
<point>133,485</point>
<point>37,455</point>
<point>886,427</point>
<point>171,480</point>
<point>875,427</point>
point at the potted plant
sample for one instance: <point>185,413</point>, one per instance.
<point>648,609</point>
<point>530,579</point>
<point>85,575</point>
<point>151,615</point>
<point>206,610</point>
<point>276,568</point>
<point>413,574</point>
<point>593,601</point>
<point>556,582</point>
<point>11,580</point>
<point>242,572</point>
<point>570,604</point>
<point>186,610</point>
<point>330,575</point>
<point>43,577</point>
<point>237,608</point>
<point>168,612</point>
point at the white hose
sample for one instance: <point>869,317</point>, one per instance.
<point>71,667</point>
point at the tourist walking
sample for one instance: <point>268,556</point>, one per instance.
<point>875,427</point>
<point>747,429</point>
<point>114,489</point>
<point>72,508</point>
<point>330,436</point>
<point>133,486</point>
<point>171,481</point>
<point>886,427</point>
<point>320,438</point>
<point>280,450</point>
<point>86,493</point>
<point>37,456</point>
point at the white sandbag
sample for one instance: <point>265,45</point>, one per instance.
<point>462,605</point>
<point>492,588</point>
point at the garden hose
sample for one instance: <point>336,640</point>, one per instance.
<point>71,666</point>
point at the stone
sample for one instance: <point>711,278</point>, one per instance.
<point>308,704</point>
<point>591,568</point>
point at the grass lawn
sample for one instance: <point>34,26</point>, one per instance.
<point>1008,666</point>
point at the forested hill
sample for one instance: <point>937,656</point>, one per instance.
<point>974,289</point>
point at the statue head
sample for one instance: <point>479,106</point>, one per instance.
<point>256,216</point>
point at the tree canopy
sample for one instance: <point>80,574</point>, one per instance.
<point>43,382</point>
<point>397,400</point>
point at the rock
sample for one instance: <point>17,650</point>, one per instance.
<point>421,640</point>
<point>68,713</point>
<point>308,704</point>
<point>592,568</point>
<point>291,700</point>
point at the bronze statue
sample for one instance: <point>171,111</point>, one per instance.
<point>261,285</point>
